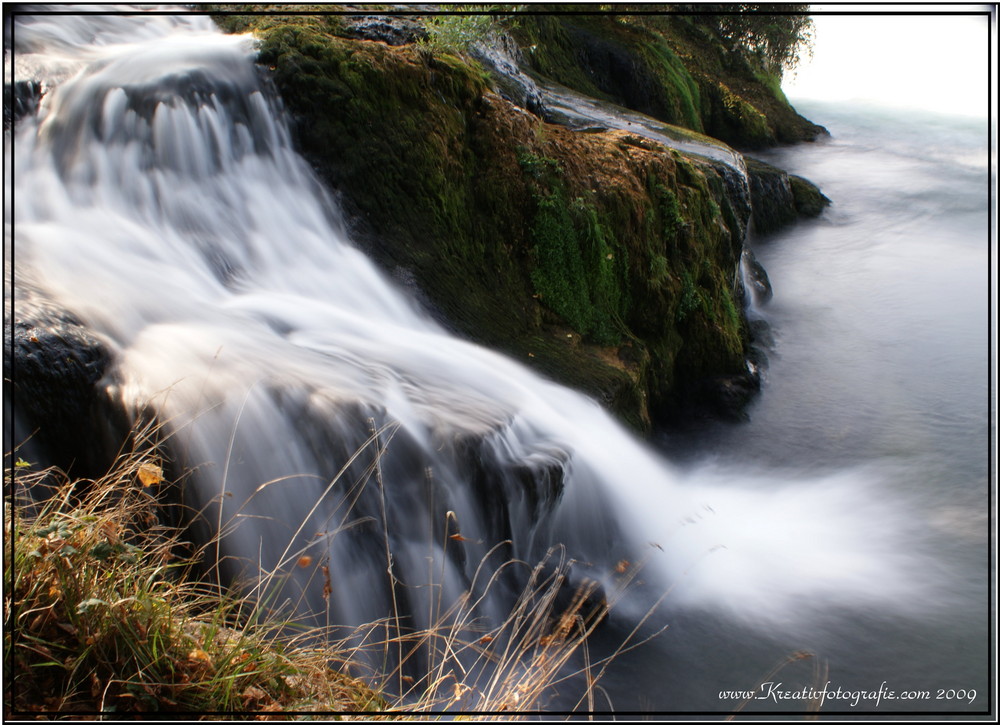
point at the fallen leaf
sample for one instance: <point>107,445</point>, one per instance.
<point>305,561</point>
<point>150,474</point>
<point>199,655</point>
<point>254,693</point>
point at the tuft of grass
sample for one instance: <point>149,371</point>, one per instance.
<point>103,615</point>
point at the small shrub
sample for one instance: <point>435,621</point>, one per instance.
<point>456,34</point>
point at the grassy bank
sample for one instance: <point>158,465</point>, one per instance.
<point>104,616</point>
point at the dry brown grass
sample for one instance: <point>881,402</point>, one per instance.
<point>103,617</point>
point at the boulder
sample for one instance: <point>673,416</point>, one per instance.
<point>55,402</point>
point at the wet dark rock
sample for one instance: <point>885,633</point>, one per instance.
<point>20,100</point>
<point>55,402</point>
<point>771,196</point>
<point>757,279</point>
<point>727,396</point>
<point>502,59</point>
<point>809,200</point>
<point>393,30</point>
<point>779,198</point>
<point>761,334</point>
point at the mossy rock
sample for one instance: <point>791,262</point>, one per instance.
<point>809,200</point>
<point>605,265</point>
<point>667,67</point>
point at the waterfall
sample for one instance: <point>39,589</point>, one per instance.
<point>321,412</point>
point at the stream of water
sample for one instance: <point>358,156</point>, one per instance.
<point>158,197</point>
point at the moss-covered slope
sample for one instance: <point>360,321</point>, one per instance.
<point>603,260</point>
<point>667,66</point>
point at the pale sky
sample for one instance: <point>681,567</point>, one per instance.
<point>933,62</point>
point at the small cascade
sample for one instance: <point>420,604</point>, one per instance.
<point>324,418</point>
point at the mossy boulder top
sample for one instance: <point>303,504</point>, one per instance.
<point>605,260</point>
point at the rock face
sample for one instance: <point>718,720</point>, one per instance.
<point>780,198</point>
<point>20,99</point>
<point>604,260</point>
<point>385,28</point>
<point>53,367</point>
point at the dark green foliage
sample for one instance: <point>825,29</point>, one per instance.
<point>671,221</point>
<point>457,33</point>
<point>691,297</point>
<point>681,95</point>
<point>770,37</point>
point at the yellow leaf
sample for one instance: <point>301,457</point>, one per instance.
<point>199,655</point>
<point>150,474</point>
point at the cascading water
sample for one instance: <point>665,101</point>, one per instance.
<point>159,199</point>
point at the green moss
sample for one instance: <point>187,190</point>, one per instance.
<point>551,51</point>
<point>691,298</point>
<point>667,67</point>
<point>809,200</point>
<point>681,102</point>
<point>575,270</point>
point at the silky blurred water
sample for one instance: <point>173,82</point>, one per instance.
<point>879,382</point>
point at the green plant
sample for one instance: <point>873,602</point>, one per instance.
<point>772,38</point>
<point>457,33</point>
<point>691,297</point>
